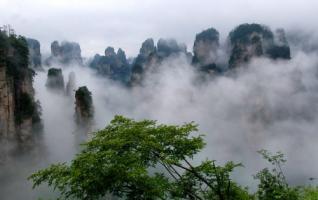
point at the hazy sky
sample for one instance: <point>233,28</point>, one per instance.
<point>96,24</point>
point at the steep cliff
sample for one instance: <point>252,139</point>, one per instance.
<point>112,65</point>
<point>19,113</point>
<point>66,53</point>
<point>169,47</point>
<point>280,49</point>
<point>205,49</point>
<point>147,50</point>
<point>34,54</point>
<point>151,56</point>
<point>84,110</point>
<point>55,79</point>
<point>255,40</point>
<point>71,84</point>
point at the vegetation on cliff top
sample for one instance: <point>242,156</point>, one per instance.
<point>55,79</point>
<point>14,56</point>
<point>243,31</point>
<point>84,98</point>
<point>54,72</point>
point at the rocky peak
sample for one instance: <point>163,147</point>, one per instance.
<point>34,53</point>
<point>110,52</point>
<point>244,32</point>
<point>121,55</point>
<point>112,65</point>
<point>71,84</point>
<point>55,79</point>
<point>280,49</point>
<point>55,49</point>
<point>84,110</point>
<point>147,48</point>
<point>168,47</point>
<point>151,56</point>
<point>19,113</point>
<point>205,49</point>
<point>253,40</point>
<point>71,52</point>
<point>95,61</point>
<point>65,53</point>
<point>280,37</point>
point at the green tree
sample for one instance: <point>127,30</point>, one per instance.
<point>142,160</point>
<point>309,193</point>
<point>273,184</point>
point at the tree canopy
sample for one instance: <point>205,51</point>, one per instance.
<point>141,160</point>
<point>145,160</point>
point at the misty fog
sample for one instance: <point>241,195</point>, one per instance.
<point>264,105</point>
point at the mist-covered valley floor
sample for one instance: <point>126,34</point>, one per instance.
<point>264,105</point>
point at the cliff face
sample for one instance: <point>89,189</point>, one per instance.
<point>112,65</point>
<point>254,40</point>
<point>147,50</point>
<point>34,53</point>
<point>280,49</point>
<point>205,49</point>
<point>65,53</point>
<point>150,56</point>
<point>71,84</point>
<point>84,110</point>
<point>169,47</point>
<point>55,79</point>
<point>19,113</point>
<point>7,123</point>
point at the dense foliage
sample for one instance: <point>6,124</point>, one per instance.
<point>26,107</point>
<point>17,58</point>
<point>273,184</point>
<point>210,34</point>
<point>122,160</point>
<point>4,46</point>
<point>143,160</point>
<point>54,72</point>
<point>242,32</point>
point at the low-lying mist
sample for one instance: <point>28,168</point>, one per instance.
<point>264,105</point>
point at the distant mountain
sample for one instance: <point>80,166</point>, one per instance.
<point>245,42</point>
<point>255,40</point>
<point>112,65</point>
<point>66,53</point>
<point>150,56</point>
<point>35,61</point>
<point>55,79</point>
<point>205,49</point>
